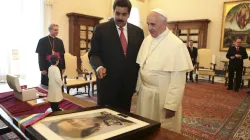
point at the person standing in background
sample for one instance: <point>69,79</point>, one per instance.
<point>235,55</point>
<point>47,46</point>
<point>55,84</point>
<point>193,54</point>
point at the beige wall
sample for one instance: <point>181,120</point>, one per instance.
<point>197,9</point>
<point>89,7</point>
<point>176,9</point>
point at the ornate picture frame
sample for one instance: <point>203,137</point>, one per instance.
<point>90,123</point>
<point>235,23</point>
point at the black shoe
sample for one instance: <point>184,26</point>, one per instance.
<point>236,90</point>
<point>192,80</point>
<point>229,89</point>
<point>248,92</point>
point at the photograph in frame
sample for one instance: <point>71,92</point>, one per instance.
<point>235,23</point>
<point>87,125</point>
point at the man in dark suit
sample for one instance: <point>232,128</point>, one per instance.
<point>193,54</point>
<point>235,54</point>
<point>47,46</point>
<point>114,48</point>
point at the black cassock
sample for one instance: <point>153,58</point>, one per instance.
<point>45,48</point>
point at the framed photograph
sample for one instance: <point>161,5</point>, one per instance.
<point>235,23</point>
<point>94,123</point>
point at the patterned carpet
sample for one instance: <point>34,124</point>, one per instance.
<point>243,130</point>
<point>211,112</point>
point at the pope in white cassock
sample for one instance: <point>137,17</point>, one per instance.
<point>164,61</point>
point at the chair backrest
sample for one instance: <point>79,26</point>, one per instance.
<point>247,70</point>
<point>246,61</point>
<point>71,66</point>
<point>247,64</point>
<point>85,63</point>
<point>205,58</point>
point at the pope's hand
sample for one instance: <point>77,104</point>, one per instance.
<point>44,72</point>
<point>101,73</point>
<point>169,113</point>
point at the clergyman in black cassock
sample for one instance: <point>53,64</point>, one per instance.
<point>46,47</point>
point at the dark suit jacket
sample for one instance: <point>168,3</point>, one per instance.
<point>236,62</point>
<point>106,50</point>
<point>193,54</point>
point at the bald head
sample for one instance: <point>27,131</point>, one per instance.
<point>157,23</point>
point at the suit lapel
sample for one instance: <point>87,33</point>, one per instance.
<point>114,32</point>
<point>130,31</point>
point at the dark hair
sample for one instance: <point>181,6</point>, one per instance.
<point>123,3</point>
<point>53,59</point>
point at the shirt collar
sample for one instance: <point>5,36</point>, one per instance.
<point>52,37</point>
<point>124,27</point>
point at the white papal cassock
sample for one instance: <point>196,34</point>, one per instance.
<point>163,62</point>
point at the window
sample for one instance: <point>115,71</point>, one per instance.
<point>21,27</point>
<point>134,17</point>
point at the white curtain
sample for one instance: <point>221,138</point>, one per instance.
<point>21,27</point>
<point>134,17</point>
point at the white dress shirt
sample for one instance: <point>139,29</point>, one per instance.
<point>125,31</point>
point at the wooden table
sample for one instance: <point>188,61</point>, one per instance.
<point>161,134</point>
<point>164,134</point>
